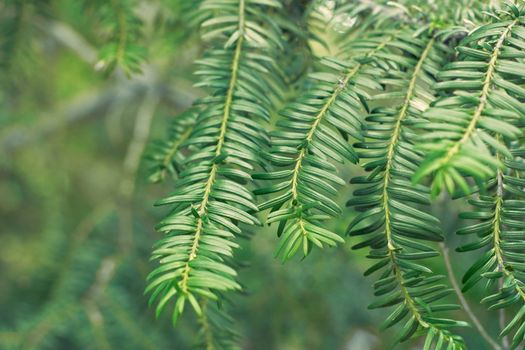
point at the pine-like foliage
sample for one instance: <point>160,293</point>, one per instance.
<point>312,135</point>
<point>17,44</point>
<point>399,230</point>
<point>165,155</point>
<point>421,97</point>
<point>211,197</point>
<point>470,130</point>
<point>408,134</point>
<point>481,97</point>
<point>185,11</point>
<point>499,227</point>
<point>217,329</point>
<point>122,31</point>
<point>11,25</point>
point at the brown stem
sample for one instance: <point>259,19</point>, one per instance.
<point>466,307</point>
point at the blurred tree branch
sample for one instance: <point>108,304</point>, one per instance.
<point>92,106</point>
<point>121,202</point>
<point>69,38</point>
<point>173,92</point>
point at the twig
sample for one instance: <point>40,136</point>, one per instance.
<point>203,320</point>
<point>104,275</point>
<point>131,164</point>
<point>67,36</point>
<point>109,265</point>
<point>502,321</point>
<point>132,158</point>
<point>499,193</point>
<point>138,143</point>
<point>475,321</point>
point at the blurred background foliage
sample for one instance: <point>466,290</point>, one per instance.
<point>81,96</point>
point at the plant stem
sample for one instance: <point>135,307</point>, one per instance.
<point>122,31</point>
<point>313,129</point>
<point>502,321</point>
<point>202,208</point>
<point>394,140</point>
<point>341,86</point>
<point>396,134</point>
<point>498,251</point>
<point>475,321</point>
<point>203,320</point>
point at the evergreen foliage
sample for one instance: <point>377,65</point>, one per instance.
<point>499,224</point>
<point>211,197</point>
<point>419,100</point>
<point>414,104</point>
<point>483,101</point>
<point>121,28</point>
<point>390,203</point>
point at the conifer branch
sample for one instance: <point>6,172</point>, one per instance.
<point>388,206</point>
<point>212,197</point>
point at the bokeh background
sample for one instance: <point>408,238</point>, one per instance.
<point>76,206</point>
